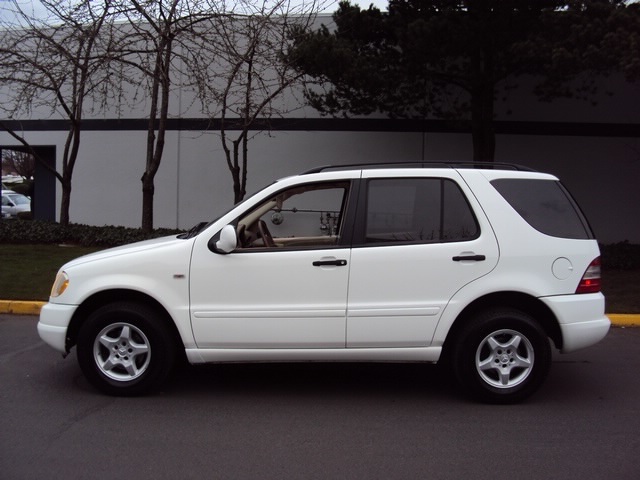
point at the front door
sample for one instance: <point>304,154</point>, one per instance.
<point>285,286</point>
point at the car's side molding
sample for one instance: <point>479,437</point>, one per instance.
<point>250,355</point>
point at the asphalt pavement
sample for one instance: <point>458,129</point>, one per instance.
<point>316,421</point>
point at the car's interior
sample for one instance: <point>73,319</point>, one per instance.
<point>304,216</point>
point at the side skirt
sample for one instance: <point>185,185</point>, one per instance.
<point>256,355</point>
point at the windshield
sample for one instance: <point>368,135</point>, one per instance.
<point>196,229</point>
<point>19,199</point>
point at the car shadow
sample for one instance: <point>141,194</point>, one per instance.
<point>290,379</point>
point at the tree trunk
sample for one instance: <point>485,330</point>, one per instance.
<point>482,97</point>
<point>238,174</point>
<point>482,131</point>
<point>155,141</point>
<point>65,201</point>
<point>148,190</point>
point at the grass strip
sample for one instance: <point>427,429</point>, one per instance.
<point>27,271</point>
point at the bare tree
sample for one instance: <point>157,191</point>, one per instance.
<point>53,65</point>
<point>240,71</point>
<point>151,43</point>
<point>233,50</point>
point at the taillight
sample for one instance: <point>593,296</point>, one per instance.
<point>591,280</point>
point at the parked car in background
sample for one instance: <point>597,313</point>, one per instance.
<point>482,269</point>
<point>14,203</point>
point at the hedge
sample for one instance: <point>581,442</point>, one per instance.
<point>39,232</point>
<point>620,256</point>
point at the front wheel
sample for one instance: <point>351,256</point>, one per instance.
<point>125,349</point>
<point>502,356</point>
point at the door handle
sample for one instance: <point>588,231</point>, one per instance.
<point>325,263</point>
<point>471,258</point>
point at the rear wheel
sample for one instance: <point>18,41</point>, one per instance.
<point>502,356</point>
<point>125,349</point>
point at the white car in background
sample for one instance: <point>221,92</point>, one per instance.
<point>481,268</point>
<point>14,203</point>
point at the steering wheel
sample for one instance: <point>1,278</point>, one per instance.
<point>265,234</point>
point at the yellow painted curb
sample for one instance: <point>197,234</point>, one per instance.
<point>624,320</point>
<point>17,307</point>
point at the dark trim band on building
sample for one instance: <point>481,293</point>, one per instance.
<point>343,125</point>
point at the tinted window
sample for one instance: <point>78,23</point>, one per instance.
<point>417,210</point>
<point>546,206</point>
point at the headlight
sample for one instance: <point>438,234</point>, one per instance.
<point>60,285</point>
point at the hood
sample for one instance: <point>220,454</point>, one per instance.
<point>146,245</point>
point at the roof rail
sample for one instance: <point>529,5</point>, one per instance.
<point>366,166</point>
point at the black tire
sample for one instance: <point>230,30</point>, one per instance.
<point>125,349</point>
<point>501,356</point>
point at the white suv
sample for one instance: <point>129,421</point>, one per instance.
<point>476,266</point>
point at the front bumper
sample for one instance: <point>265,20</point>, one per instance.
<point>53,323</point>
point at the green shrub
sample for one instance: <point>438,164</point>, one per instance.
<point>39,232</point>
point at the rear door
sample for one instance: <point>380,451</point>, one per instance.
<point>419,239</point>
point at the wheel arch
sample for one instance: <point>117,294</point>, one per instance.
<point>106,297</point>
<point>508,299</point>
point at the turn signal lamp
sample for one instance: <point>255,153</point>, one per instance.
<point>60,284</point>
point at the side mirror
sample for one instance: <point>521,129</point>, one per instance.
<point>227,241</point>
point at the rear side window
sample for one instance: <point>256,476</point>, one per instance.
<point>417,210</point>
<point>546,205</point>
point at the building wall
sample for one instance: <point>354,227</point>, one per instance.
<point>194,184</point>
<point>594,147</point>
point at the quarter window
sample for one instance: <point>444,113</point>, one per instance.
<point>417,210</point>
<point>546,205</point>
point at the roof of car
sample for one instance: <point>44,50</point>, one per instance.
<point>455,165</point>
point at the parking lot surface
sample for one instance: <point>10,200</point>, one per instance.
<point>316,421</point>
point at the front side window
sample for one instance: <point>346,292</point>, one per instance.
<point>302,216</point>
<point>417,210</point>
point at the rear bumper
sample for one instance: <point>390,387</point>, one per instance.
<point>581,318</point>
<point>584,334</point>
<point>53,323</point>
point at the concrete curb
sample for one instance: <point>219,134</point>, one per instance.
<point>624,319</point>
<point>18,307</point>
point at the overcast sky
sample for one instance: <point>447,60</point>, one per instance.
<point>35,8</point>
<point>381,4</point>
